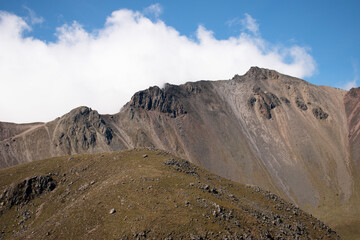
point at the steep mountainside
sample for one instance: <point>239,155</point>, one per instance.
<point>352,107</point>
<point>288,136</point>
<point>143,195</point>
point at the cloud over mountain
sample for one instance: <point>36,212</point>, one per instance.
<point>105,67</point>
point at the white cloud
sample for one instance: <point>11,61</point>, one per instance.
<point>250,24</point>
<point>104,68</point>
<point>353,83</point>
<point>349,85</point>
<point>11,26</point>
<point>154,9</point>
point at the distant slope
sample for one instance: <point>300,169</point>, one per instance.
<point>82,130</point>
<point>8,130</point>
<point>141,194</point>
<point>298,140</point>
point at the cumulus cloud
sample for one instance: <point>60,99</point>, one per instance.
<point>103,68</point>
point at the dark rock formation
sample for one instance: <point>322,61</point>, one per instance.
<point>156,99</point>
<point>252,101</point>
<point>82,127</point>
<point>266,101</point>
<point>319,113</point>
<point>182,166</point>
<point>301,104</point>
<point>27,190</point>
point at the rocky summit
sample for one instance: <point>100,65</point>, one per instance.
<point>145,194</point>
<point>297,140</point>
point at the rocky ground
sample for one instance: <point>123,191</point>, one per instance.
<point>141,194</point>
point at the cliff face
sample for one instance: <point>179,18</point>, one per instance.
<point>296,139</point>
<point>155,99</point>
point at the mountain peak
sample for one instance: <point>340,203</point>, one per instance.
<point>262,73</point>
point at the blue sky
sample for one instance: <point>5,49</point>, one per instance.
<point>315,40</point>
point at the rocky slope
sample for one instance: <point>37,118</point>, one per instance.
<point>288,136</point>
<point>143,195</point>
<point>352,108</point>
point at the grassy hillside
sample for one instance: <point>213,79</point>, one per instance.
<point>141,194</point>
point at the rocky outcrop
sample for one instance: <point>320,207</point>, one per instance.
<point>261,74</point>
<point>301,104</point>
<point>182,166</point>
<point>266,101</point>
<point>23,192</point>
<point>319,113</point>
<point>156,99</point>
<point>80,129</point>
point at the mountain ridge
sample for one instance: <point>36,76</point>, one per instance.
<point>263,128</point>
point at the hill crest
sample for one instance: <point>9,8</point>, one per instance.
<point>145,194</point>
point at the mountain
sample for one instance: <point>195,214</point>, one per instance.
<point>141,194</point>
<point>298,140</point>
